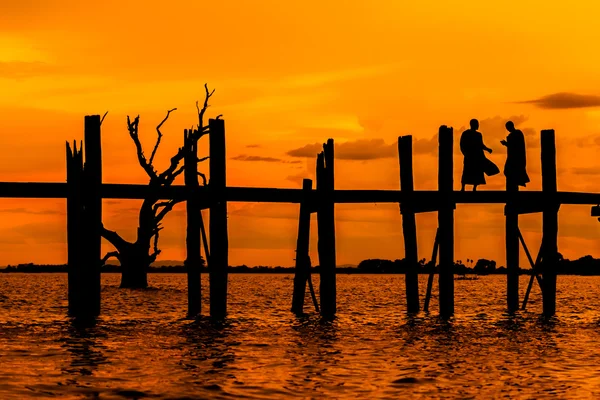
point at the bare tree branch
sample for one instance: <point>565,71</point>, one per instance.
<point>177,173</point>
<point>203,159</point>
<point>204,107</point>
<point>165,210</point>
<point>114,238</point>
<point>108,255</point>
<point>133,132</point>
<point>201,175</point>
<point>104,116</point>
<point>161,204</point>
<point>167,175</point>
<point>159,135</point>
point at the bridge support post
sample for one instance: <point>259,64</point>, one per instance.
<point>194,218</point>
<point>512,249</point>
<point>549,222</point>
<point>74,228</point>
<point>92,172</point>
<point>446,221</point>
<point>326,230</point>
<point>302,268</point>
<point>84,222</point>
<point>219,244</point>
<point>409,225</point>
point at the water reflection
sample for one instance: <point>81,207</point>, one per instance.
<point>82,340</point>
<point>207,353</point>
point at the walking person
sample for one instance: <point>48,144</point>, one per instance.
<point>515,168</point>
<point>475,164</point>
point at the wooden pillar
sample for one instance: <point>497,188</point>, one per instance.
<point>409,225</point>
<point>74,227</point>
<point>302,269</point>
<point>549,223</point>
<point>192,241</point>
<point>219,242</point>
<point>446,221</point>
<point>512,249</point>
<point>92,197</point>
<point>326,230</point>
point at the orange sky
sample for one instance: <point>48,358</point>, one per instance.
<point>291,75</point>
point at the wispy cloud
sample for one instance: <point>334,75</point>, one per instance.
<point>594,171</point>
<point>22,210</point>
<point>244,157</point>
<point>359,150</point>
<point>565,100</point>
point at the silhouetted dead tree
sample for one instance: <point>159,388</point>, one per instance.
<point>136,257</point>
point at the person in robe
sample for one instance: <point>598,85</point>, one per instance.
<point>515,168</point>
<point>475,163</point>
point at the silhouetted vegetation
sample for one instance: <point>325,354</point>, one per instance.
<point>135,257</point>
<point>586,265</point>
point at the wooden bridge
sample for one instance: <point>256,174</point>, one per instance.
<point>84,191</point>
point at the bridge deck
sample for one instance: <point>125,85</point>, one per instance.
<point>271,195</point>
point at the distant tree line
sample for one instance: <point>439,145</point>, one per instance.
<point>586,265</point>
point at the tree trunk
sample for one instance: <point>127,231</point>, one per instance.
<point>134,274</point>
<point>135,263</point>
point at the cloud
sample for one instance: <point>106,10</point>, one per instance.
<point>299,178</point>
<point>586,170</point>
<point>244,157</point>
<point>565,100</point>
<point>253,146</point>
<point>587,141</point>
<point>22,210</point>
<point>358,150</point>
<point>308,151</point>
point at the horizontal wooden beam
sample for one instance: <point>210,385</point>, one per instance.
<point>50,190</point>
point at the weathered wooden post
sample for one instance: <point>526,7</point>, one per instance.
<point>446,221</point>
<point>74,227</point>
<point>326,230</point>
<point>409,225</point>
<point>302,269</point>
<point>219,242</point>
<point>512,248</point>
<point>549,223</point>
<point>92,221</point>
<point>192,241</point>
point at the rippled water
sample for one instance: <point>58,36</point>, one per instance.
<point>142,347</point>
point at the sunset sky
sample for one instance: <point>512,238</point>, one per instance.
<point>288,76</point>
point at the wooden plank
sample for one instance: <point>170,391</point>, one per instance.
<point>446,222</point>
<point>193,259</point>
<point>54,190</point>
<point>409,225</point>
<point>219,242</point>
<point>549,222</point>
<point>302,268</point>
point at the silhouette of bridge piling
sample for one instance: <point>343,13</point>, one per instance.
<point>84,192</point>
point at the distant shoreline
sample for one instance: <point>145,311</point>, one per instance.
<point>584,266</point>
<point>179,269</point>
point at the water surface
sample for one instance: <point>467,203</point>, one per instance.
<point>143,347</point>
